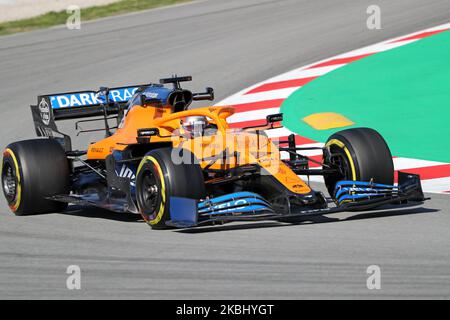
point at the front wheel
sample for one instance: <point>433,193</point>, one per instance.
<point>159,178</point>
<point>360,154</point>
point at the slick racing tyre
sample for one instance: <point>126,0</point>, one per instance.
<point>360,154</point>
<point>159,178</point>
<point>33,170</point>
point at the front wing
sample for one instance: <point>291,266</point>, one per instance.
<point>247,206</point>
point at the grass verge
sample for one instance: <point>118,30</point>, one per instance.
<point>57,18</point>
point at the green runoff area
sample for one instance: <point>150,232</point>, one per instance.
<point>90,13</point>
<point>403,93</point>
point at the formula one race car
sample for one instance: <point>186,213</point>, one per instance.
<point>185,168</point>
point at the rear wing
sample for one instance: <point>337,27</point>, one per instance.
<point>75,105</point>
<point>80,104</point>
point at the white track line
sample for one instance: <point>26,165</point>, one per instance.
<point>260,96</point>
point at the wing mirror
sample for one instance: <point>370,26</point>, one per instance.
<point>208,95</point>
<point>271,118</point>
<point>148,132</point>
<point>144,135</point>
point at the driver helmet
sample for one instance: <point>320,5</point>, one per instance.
<point>194,125</point>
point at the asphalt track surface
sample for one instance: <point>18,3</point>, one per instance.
<point>228,45</point>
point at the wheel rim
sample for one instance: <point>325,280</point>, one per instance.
<point>9,182</point>
<point>339,161</point>
<point>149,194</point>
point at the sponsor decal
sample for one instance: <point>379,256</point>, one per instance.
<point>126,172</point>
<point>366,190</point>
<point>44,132</point>
<point>83,99</point>
<point>97,150</point>
<point>44,110</point>
<point>225,207</point>
<point>151,95</point>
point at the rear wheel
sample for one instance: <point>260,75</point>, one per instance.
<point>32,171</point>
<point>159,178</point>
<point>360,154</point>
